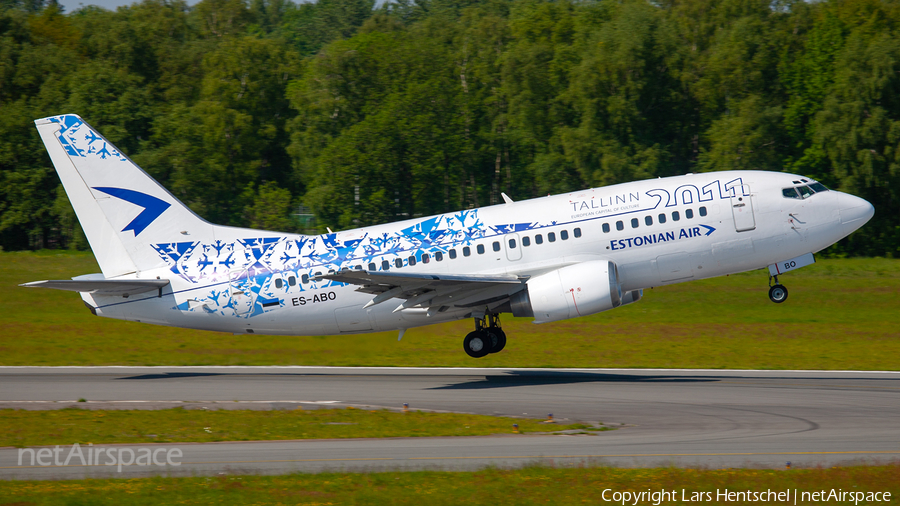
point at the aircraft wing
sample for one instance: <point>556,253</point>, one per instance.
<point>105,287</point>
<point>431,290</point>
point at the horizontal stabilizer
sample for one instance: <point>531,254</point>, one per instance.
<point>104,287</point>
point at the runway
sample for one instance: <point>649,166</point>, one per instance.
<point>663,417</point>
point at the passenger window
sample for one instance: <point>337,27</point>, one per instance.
<point>452,254</point>
<point>357,267</point>
<point>620,226</point>
<point>564,234</point>
<point>703,211</point>
<point>372,266</point>
<point>551,236</point>
<point>496,245</point>
<point>425,258</point>
<point>662,217</point>
<point>790,193</point>
<point>438,257</point>
<point>675,216</point>
<point>526,241</point>
<point>411,261</point>
<point>688,213</point>
<point>480,249</point>
<point>634,223</point>
<point>539,239</point>
<point>385,265</point>
<point>512,244</point>
<point>648,220</point>
<point>278,283</point>
<point>318,273</point>
<point>606,228</point>
<point>304,278</point>
<point>467,251</point>
<point>577,233</point>
<point>398,263</point>
<point>292,280</point>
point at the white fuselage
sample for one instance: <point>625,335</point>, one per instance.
<point>656,232</point>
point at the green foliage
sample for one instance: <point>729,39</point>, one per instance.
<point>270,209</point>
<point>365,114</point>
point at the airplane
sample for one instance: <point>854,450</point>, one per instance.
<point>549,258</point>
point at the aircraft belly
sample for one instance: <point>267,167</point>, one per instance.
<point>675,267</point>
<point>353,319</point>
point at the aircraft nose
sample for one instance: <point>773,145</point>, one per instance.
<point>855,212</point>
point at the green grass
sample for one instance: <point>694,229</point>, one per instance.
<point>68,426</point>
<point>535,485</point>
<point>841,314</point>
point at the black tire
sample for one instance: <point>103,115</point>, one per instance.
<point>499,340</point>
<point>778,294</point>
<point>477,344</point>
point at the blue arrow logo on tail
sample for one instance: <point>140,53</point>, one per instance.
<point>153,207</point>
<point>708,228</point>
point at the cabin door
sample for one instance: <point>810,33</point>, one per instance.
<point>239,289</point>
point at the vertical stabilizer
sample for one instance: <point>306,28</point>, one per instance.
<point>122,210</point>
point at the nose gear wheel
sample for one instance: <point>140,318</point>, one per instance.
<point>778,293</point>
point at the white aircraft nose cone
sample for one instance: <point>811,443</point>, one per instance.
<point>855,212</point>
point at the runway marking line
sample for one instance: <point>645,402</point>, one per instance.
<point>658,455</point>
<point>491,457</point>
<point>812,385</point>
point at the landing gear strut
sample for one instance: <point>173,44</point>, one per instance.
<point>778,293</point>
<point>487,337</point>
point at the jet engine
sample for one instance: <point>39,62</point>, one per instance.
<point>577,290</point>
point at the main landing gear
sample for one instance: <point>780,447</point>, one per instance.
<point>778,293</point>
<point>487,337</point>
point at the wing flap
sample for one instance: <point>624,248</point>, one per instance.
<point>430,290</point>
<point>104,287</point>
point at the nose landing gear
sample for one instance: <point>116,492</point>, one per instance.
<point>487,337</point>
<point>778,293</point>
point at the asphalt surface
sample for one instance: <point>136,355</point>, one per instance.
<point>692,418</point>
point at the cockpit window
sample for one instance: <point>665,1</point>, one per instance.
<point>803,191</point>
<point>818,187</point>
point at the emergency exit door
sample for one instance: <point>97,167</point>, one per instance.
<point>742,209</point>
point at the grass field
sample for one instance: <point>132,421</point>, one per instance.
<point>68,426</point>
<point>536,485</point>
<point>841,314</point>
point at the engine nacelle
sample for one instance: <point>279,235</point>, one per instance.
<point>576,290</point>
